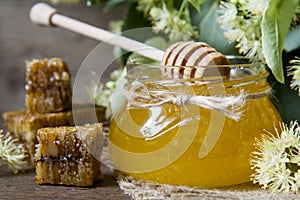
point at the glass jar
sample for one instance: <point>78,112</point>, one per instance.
<point>191,131</point>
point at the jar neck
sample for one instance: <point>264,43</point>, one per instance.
<point>244,74</point>
<point>148,86</point>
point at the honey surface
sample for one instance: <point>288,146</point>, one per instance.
<point>189,145</point>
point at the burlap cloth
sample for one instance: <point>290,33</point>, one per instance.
<point>141,190</point>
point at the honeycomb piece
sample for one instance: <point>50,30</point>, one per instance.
<point>24,125</point>
<point>69,155</point>
<point>47,86</point>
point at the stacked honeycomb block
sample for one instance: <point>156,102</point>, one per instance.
<point>47,104</point>
<point>69,155</point>
<point>48,87</point>
<point>24,125</point>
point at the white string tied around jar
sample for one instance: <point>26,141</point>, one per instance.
<point>139,96</point>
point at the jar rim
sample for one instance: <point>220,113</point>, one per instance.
<point>250,77</point>
<point>233,62</point>
<point>240,69</point>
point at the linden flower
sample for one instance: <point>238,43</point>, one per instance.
<point>256,7</point>
<point>11,152</point>
<point>146,5</point>
<point>294,71</point>
<point>276,161</point>
<point>116,26</point>
<point>100,94</point>
<point>296,17</point>
<point>168,19</point>
<point>172,22</point>
<point>241,20</point>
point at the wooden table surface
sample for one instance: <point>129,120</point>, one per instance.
<point>23,186</point>
<point>21,40</point>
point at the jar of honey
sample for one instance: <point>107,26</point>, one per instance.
<point>191,131</point>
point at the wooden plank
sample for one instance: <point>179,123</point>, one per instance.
<point>23,186</point>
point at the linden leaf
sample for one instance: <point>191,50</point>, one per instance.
<point>196,4</point>
<point>292,41</point>
<point>275,26</point>
<point>156,41</point>
<point>93,2</point>
<point>210,30</point>
<point>110,5</point>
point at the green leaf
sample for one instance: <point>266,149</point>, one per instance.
<point>111,4</point>
<point>94,2</point>
<point>196,4</point>
<point>134,20</point>
<point>156,41</point>
<point>292,41</point>
<point>210,30</point>
<point>275,26</point>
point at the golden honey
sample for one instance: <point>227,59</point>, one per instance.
<point>188,143</point>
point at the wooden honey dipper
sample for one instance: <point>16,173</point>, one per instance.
<point>179,54</point>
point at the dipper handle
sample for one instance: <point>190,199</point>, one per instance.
<point>43,14</point>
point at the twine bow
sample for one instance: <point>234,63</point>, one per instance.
<point>139,96</point>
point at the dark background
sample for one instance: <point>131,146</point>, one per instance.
<point>21,40</point>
